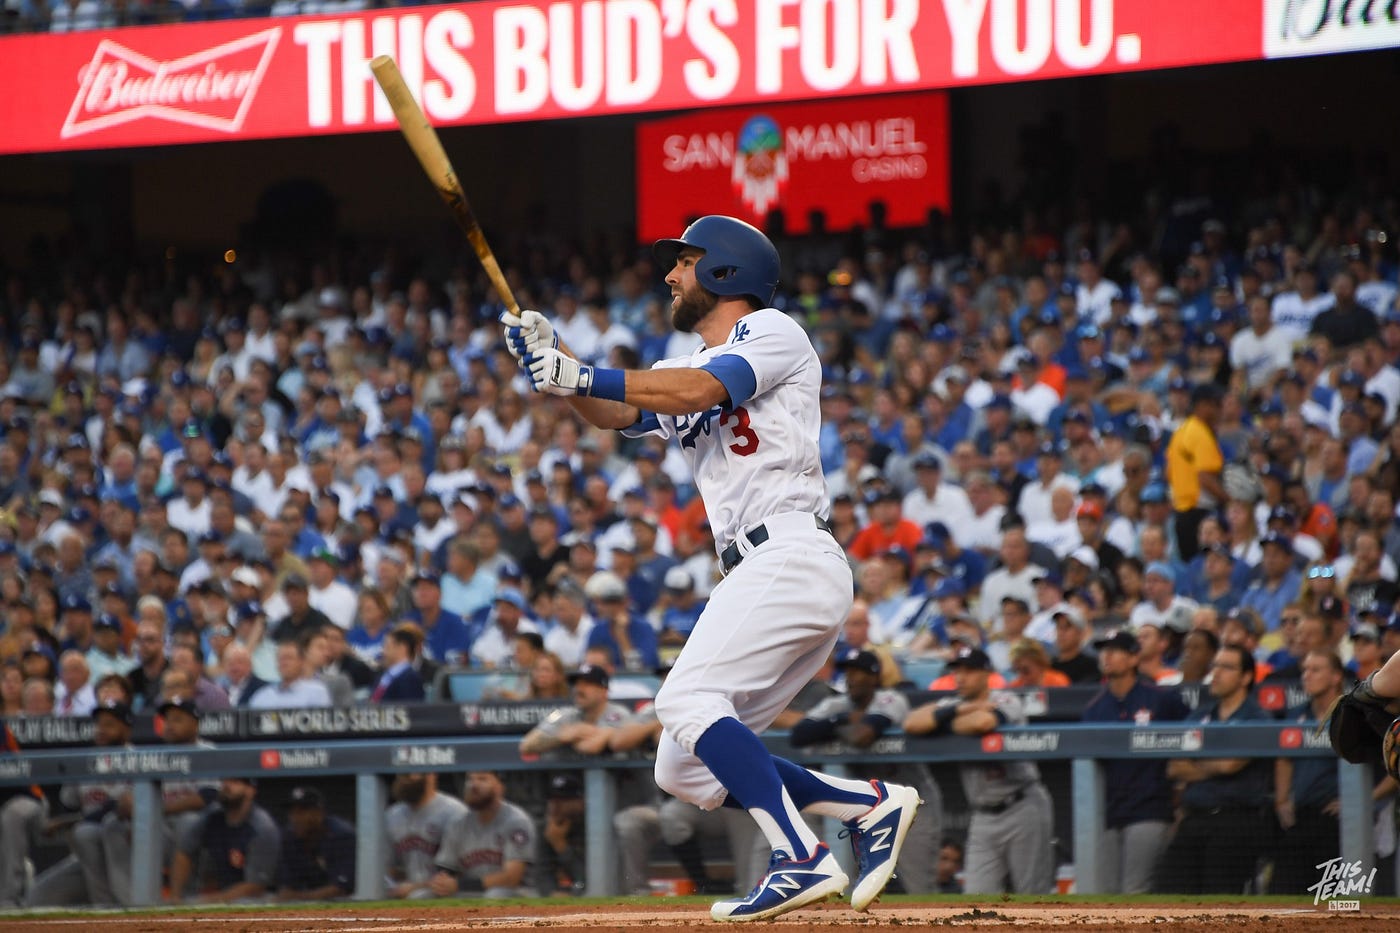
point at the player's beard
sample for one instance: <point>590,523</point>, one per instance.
<point>411,792</point>
<point>693,305</point>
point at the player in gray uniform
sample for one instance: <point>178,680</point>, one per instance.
<point>588,728</point>
<point>680,824</point>
<point>416,826</point>
<point>22,815</point>
<point>82,878</point>
<point>584,727</point>
<point>857,719</point>
<point>183,803</point>
<point>1012,815</point>
<point>487,851</point>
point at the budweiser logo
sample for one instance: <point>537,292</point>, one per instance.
<point>212,89</point>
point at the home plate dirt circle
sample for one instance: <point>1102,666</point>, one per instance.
<point>1079,917</point>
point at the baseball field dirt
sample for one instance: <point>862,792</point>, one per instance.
<point>691,914</point>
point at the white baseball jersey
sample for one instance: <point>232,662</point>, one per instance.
<point>1295,314</point>
<point>757,456</point>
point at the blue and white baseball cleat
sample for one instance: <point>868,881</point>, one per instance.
<point>789,885</point>
<point>877,837</point>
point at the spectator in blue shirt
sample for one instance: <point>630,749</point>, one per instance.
<point>1278,583</point>
<point>447,639</point>
<point>679,607</point>
<point>627,637</point>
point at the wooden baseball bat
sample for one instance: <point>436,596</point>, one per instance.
<point>424,142</point>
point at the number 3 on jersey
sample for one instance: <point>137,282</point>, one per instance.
<point>745,440</point>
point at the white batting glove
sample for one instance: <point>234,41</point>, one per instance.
<point>528,334</point>
<point>557,374</point>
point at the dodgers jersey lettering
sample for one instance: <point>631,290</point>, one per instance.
<point>758,456</point>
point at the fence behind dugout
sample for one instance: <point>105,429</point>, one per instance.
<point>370,761</point>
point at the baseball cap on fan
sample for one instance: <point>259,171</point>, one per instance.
<point>973,659</point>
<point>866,661</point>
<point>591,674</point>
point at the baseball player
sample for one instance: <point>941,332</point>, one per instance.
<point>1012,813</point>
<point>589,727</point>
<point>22,813</point>
<point>857,719</point>
<point>415,825</point>
<point>82,878</point>
<point>745,411</point>
<point>682,824</point>
<point>488,850</point>
<point>241,841</point>
<point>183,803</point>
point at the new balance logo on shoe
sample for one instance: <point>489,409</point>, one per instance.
<point>883,834</point>
<point>783,884</point>
<point>790,884</point>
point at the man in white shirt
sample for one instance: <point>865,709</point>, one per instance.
<point>1094,295</point>
<point>1263,348</point>
<point>568,635</point>
<point>496,645</point>
<point>294,690</point>
<point>1295,311</point>
<point>73,694</point>
<point>1034,502</point>
<point>1161,606</point>
<point>574,329</point>
<point>932,499</point>
<point>982,529</point>
<point>1014,577</point>
<point>327,593</point>
<point>189,512</point>
<point>260,340</point>
<point>1061,532</point>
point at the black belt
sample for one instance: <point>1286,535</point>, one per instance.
<point>730,557</point>
<point>1005,805</point>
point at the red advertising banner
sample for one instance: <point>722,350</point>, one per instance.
<point>839,156</point>
<point>495,61</point>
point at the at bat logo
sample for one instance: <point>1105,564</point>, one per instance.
<point>212,89</point>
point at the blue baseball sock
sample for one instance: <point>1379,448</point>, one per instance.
<point>739,761</point>
<point>842,798</point>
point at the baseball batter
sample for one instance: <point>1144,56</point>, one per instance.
<point>1012,814</point>
<point>488,850</point>
<point>744,409</point>
<point>416,825</point>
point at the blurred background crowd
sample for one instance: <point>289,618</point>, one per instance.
<point>288,484</point>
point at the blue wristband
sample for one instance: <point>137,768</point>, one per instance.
<point>610,384</point>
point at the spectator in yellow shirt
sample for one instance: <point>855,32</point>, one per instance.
<point>1194,463</point>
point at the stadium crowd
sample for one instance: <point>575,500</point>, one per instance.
<point>1055,457</point>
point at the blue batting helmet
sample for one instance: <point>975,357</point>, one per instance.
<point>738,260</point>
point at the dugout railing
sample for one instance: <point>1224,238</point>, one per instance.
<point>369,760</point>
